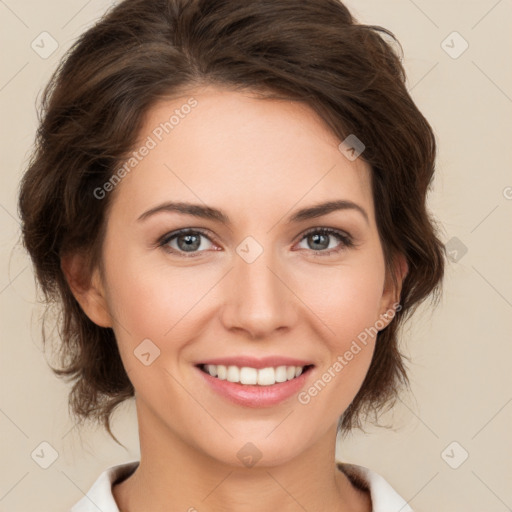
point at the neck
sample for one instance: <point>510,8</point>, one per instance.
<point>174,475</point>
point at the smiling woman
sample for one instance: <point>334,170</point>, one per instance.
<point>245,279</point>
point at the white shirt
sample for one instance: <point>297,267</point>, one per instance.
<point>384,498</point>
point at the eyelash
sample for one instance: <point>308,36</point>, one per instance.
<point>345,239</point>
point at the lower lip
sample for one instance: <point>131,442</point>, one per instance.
<point>256,396</point>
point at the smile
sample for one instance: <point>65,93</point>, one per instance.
<point>255,387</point>
<point>253,376</point>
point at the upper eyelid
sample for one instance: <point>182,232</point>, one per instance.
<point>165,239</point>
<point>184,231</point>
<point>331,231</point>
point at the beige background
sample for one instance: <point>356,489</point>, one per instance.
<point>461,352</point>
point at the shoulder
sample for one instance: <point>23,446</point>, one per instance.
<point>99,496</point>
<point>384,497</point>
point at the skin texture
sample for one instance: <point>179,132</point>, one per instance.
<point>259,161</point>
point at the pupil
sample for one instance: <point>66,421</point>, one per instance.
<point>316,238</point>
<point>191,242</point>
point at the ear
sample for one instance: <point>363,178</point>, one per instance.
<point>391,292</point>
<point>87,289</point>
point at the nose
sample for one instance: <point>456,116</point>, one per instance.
<point>259,298</point>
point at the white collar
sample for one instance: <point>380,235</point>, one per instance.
<point>384,497</point>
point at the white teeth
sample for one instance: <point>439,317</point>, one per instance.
<point>212,370</point>
<point>248,375</point>
<point>251,376</point>
<point>281,374</point>
<point>233,374</point>
<point>266,376</point>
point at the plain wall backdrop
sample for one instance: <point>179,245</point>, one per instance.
<point>450,448</point>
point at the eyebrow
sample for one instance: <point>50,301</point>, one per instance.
<point>207,212</point>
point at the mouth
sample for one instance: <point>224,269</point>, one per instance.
<point>249,376</point>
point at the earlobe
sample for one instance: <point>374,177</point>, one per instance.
<point>88,289</point>
<point>391,293</point>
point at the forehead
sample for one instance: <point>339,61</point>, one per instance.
<point>228,147</point>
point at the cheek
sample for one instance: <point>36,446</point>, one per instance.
<point>349,308</point>
<point>153,301</point>
<point>347,299</point>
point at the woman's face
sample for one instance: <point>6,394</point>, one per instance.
<point>253,277</point>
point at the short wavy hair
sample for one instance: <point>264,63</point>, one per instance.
<point>142,51</point>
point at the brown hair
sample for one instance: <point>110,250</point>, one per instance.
<point>141,51</point>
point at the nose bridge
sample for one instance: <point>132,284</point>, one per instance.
<point>258,301</point>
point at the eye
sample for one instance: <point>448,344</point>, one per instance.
<point>320,240</point>
<point>191,242</point>
<point>186,242</point>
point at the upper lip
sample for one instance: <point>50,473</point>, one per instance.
<point>257,362</point>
